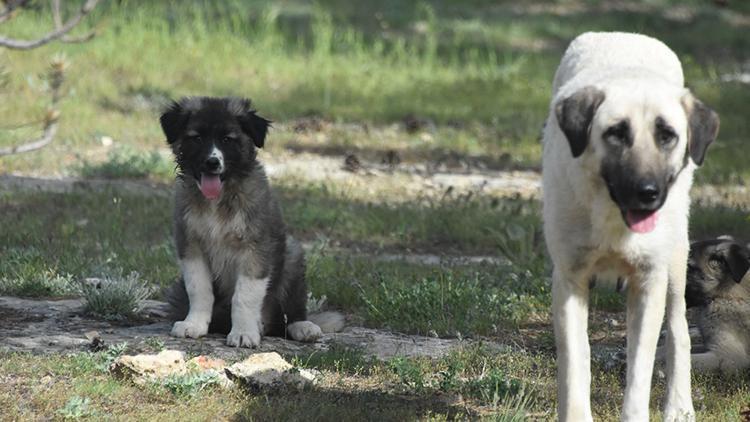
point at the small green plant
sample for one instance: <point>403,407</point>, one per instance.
<point>449,380</point>
<point>190,384</point>
<point>316,304</point>
<point>409,373</point>
<point>77,407</point>
<point>155,344</point>
<point>493,387</point>
<point>116,297</point>
<point>102,360</point>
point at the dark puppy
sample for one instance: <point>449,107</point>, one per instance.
<point>718,288</point>
<point>241,274</point>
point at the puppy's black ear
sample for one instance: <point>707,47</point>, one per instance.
<point>737,258</point>
<point>574,115</point>
<point>173,121</point>
<point>703,127</point>
<point>254,126</point>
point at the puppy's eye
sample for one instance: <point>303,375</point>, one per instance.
<point>715,263</point>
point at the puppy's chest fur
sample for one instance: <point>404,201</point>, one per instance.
<point>215,227</point>
<point>226,236</point>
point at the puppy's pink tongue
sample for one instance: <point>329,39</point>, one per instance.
<point>210,185</point>
<point>641,221</point>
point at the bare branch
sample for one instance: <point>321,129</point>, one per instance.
<point>57,18</point>
<point>56,78</point>
<point>50,130</point>
<point>58,33</point>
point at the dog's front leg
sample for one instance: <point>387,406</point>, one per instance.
<point>645,311</point>
<point>197,278</point>
<point>679,404</point>
<point>570,299</point>
<point>247,305</point>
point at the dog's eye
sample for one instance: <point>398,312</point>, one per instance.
<point>665,134</point>
<point>666,138</point>
<point>715,263</point>
<point>617,134</point>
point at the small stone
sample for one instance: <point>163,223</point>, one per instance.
<point>269,371</point>
<point>143,368</point>
<point>204,362</point>
<point>106,141</point>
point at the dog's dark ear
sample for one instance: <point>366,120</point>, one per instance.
<point>703,127</point>
<point>173,121</point>
<point>737,258</point>
<point>574,115</point>
<point>254,126</point>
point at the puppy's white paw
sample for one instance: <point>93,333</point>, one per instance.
<point>190,329</point>
<point>243,337</point>
<point>304,331</point>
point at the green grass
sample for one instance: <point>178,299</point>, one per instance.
<point>481,72</point>
<point>472,381</point>
<point>450,303</point>
<point>126,163</point>
<point>338,77</point>
<point>90,234</point>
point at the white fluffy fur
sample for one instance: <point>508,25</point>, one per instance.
<point>247,303</point>
<point>199,290</point>
<point>304,331</point>
<point>586,235</point>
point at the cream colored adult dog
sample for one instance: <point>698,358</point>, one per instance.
<point>621,143</point>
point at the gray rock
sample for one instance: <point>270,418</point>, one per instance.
<point>62,326</point>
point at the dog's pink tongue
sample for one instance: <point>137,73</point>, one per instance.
<point>641,221</point>
<point>210,186</point>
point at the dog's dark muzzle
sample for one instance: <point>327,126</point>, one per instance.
<point>644,195</point>
<point>212,165</point>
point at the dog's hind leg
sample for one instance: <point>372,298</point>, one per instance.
<point>679,404</point>
<point>570,313</point>
<point>645,311</point>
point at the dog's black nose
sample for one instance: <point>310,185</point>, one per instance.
<point>648,193</point>
<point>212,164</point>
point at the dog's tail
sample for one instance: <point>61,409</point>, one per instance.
<point>329,321</point>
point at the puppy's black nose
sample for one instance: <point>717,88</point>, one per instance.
<point>648,193</point>
<point>212,164</point>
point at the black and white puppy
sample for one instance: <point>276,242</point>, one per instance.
<point>241,273</point>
